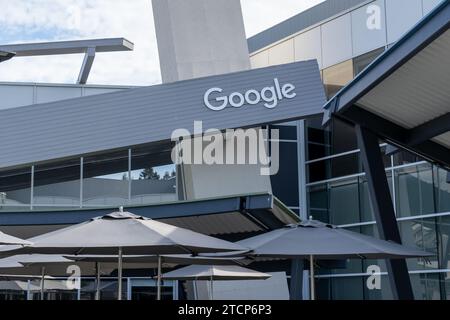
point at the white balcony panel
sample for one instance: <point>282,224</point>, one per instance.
<point>337,40</point>
<point>260,60</point>
<point>401,15</point>
<point>12,96</point>
<point>369,28</point>
<point>49,94</point>
<point>429,5</point>
<point>282,53</point>
<point>308,46</point>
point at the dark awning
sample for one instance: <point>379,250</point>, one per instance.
<point>234,215</point>
<point>404,96</point>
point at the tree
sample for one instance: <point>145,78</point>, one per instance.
<point>149,174</point>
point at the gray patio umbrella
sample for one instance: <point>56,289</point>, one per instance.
<point>145,261</point>
<point>13,267</point>
<point>316,240</point>
<point>10,240</point>
<point>124,233</point>
<point>215,272</point>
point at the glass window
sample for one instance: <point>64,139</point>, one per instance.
<point>13,290</point>
<point>372,231</point>
<point>153,176</point>
<point>351,265</point>
<point>384,293</point>
<point>323,289</point>
<point>15,189</point>
<point>344,202</point>
<point>368,27</point>
<point>343,137</point>
<point>287,132</point>
<point>108,289</point>
<point>426,286</point>
<point>442,190</point>
<point>366,205</point>
<point>361,62</point>
<point>414,190</point>
<point>403,157</point>
<point>337,40</point>
<point>55,290</point>
<point>318,203</point>
<point>367,213</point>
<point>336,77</point>
<point>349,288</point>
<point>318,171</point>
<point>345,165</point>
<point>446,285</point>
<point>105,180</point>
<point>318,139</point>
<point>285,182</point>
<point>443,233</point>
<point>57,185</point>
<point>421,233</point>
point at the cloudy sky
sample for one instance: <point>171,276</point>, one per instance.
<point>49,20</point>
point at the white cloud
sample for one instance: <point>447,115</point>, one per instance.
<point>49,20</point>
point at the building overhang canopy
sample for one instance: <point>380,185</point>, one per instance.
<point>404,96</point>
<point>235,215</point>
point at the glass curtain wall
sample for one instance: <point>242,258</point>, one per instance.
<point>137,176</point>
<point>15,189</point>
<point>337,193</point>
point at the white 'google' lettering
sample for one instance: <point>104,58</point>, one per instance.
<point>270,95</point>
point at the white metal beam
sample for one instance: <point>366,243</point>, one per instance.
<point>86,66</point>
<point>68,47</point>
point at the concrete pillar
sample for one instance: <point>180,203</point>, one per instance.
<point>199,38</point>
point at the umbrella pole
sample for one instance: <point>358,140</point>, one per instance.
<point>311,278</point>
<point>97,281</point>
<point>195,289</point>
<point>158,279</point>
<point>119,287</point>
<point>42,282</point>
<point>211,288</point>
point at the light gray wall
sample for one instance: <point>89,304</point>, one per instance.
<point>340,34</point>
<point>13,94</point>
<point>79,126</point>
<point>198,38</point>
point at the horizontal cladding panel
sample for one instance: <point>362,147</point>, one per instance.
<point>144,115</point>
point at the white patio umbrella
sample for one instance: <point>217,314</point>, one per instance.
<point>316,240</point>
<point>124,233</point>
<point>214,272</point>
<point>10,240</point>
